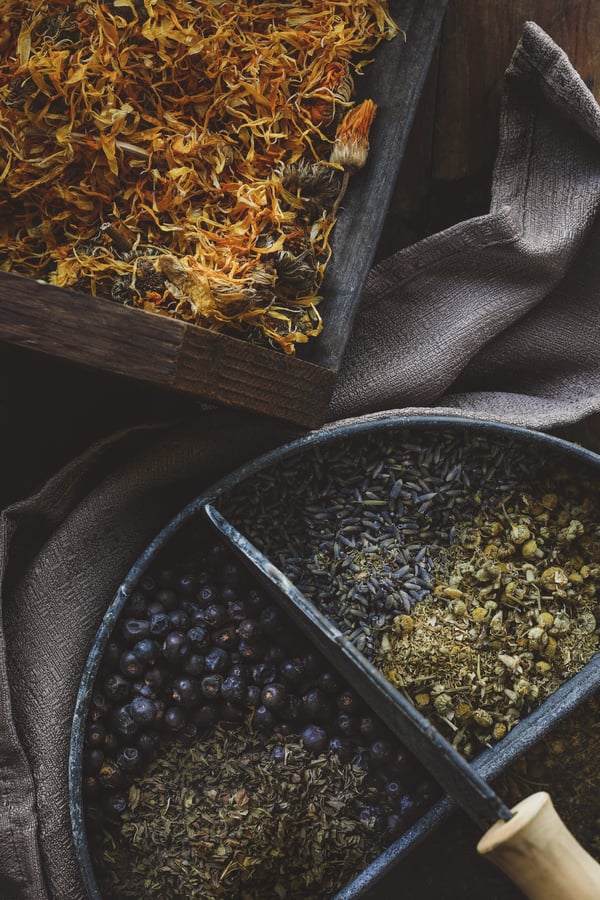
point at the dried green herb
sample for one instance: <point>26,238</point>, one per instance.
<point>565,763</point>
<point>241,815</point>
<point>513,614</point>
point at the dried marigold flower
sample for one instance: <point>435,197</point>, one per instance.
<point>179,138</point>
<point>351,146</point>
<point>336,85</point>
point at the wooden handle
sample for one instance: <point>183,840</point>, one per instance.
<point>540,855</point>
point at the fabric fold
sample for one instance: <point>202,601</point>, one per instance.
<point>497,318</point>
<point>479,300</point>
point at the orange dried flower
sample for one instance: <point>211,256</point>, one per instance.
<point>336,84</point>
<point>174,123</point>
<point>351,146</point>
<point>338,80</point>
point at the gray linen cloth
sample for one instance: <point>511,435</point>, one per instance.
<point>499,316</point>
<point>496,317</point>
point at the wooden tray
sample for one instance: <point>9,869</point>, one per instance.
<point>226,370</point>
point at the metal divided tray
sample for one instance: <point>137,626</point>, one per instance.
<point>488,764</point>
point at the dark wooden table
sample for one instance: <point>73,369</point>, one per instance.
<point>51,410</point>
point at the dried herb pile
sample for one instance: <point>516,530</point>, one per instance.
<point>185,158</point>
<point>241,815</point>
<point>297,759</point>
<point>466,568</point>
<point>565,763</point>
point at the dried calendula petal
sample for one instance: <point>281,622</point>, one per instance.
<point>351,145</point>
<point>172,122</point>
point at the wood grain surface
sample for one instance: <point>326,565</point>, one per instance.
<point>447,169</point>
<point>163,351</point>
<point>220,368</point>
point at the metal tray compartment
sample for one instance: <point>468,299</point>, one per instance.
<point>489,764</point>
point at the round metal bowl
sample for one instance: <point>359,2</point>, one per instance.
<point>490,763</point>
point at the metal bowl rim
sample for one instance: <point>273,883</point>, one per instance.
<point>327,434</point>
